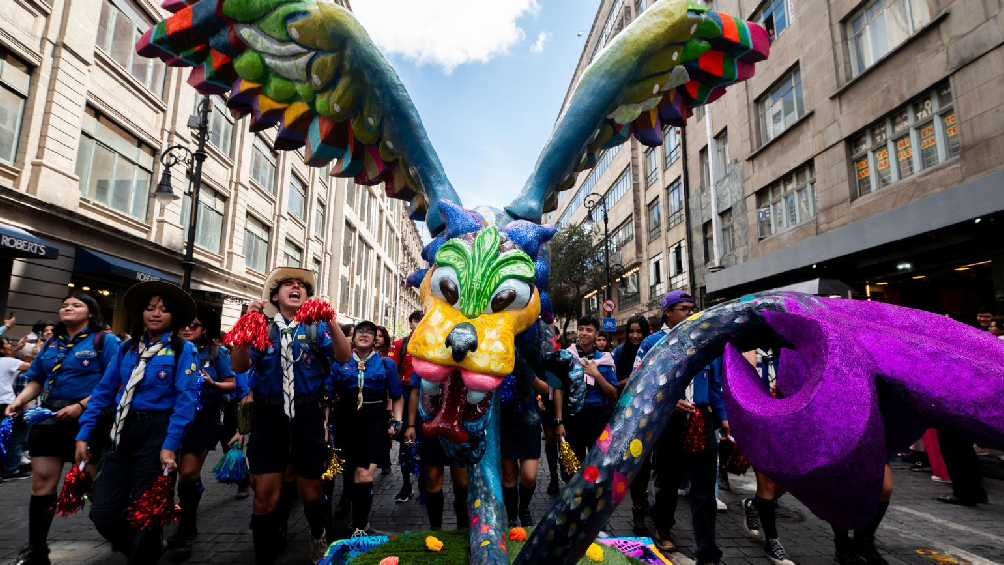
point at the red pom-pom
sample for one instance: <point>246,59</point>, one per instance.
<point>156,507</point>
<point>76,484</point>
<point>697,433</point>
<point>315,310</point>
<point>251,329</point>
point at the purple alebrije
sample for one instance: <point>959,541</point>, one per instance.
<point>828,439</point>
<point>528,236</point>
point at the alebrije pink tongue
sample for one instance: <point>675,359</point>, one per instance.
<point>479,382</point>
<point>430,371</point>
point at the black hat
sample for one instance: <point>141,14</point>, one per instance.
<point>138,296</point>
<point>365,325</point>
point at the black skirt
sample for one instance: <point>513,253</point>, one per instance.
<point>362,434</point>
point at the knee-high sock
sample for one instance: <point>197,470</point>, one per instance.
<point>525,496</point>
<point>189,495</point>
<point>511,498</point>
<point>866,536</point>
<point>551,452</point>
<point>348,479</point>
<point>460,507</point>
<point>318,516</point>
<point>41,509</point>
<point>434,507</point>
<point>263,531</point>
<point>767,509</point>
<point>362,502</point>
<point>287,498</point>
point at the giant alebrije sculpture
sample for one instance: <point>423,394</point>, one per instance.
<point>309,69</point>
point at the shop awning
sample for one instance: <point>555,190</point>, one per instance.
<point>97,263</point>
<point>15,242</point>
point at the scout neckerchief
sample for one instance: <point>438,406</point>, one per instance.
<point>64,344</point>
<point>361,375</point>
<point>286,331</point>
<point>146,352</point>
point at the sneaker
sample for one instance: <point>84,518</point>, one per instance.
<point>242,493</point>
<point>721,506</point>
<point>31,556</point>
<point>553,488</point>
<point>941,481</point>
<point>776,553</point>
<point>403,495</point>
<point>752,522</point>
<point>665,543</point>
<point>359,533</point>
<point>17,475</point>
<point>683,491</point>
<point>723,480</point>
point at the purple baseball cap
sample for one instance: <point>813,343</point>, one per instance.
<point>676,297</point>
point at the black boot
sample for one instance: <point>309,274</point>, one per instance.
<point>287,499</point>
<point>551,453</point>
<point>434,508</point>
<point>525,497</point>
<point>362,503</point>
<point>41,510</point>
<point>318,516</point>
<point>510,497</point>
<point>180,544</point>
<point>460,507</point>
<point>864,539</point>
<point>845,552</point>
<point>264,533</point>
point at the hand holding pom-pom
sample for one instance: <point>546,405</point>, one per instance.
<point>156,507</point>
<point>315,310</point>
<point>251,329</point>
<point>76,484</point>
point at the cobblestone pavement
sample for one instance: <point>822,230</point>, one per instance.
<point>916,530</point>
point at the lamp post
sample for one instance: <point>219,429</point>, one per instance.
<point>192,160</point>
<point>593,201</point>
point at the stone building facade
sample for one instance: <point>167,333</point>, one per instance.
<point>83,122</point>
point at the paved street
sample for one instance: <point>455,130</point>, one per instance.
<point>916,530</point>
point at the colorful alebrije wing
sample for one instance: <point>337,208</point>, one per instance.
<point>673,57</point>
<point>309,68</point>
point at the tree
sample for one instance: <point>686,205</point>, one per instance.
<point>576,269</point>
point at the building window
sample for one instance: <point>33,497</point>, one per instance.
<point>120,26</point>
<point>728,232</point>
<point>879,26</point>
<point>221,126</point>
<point>320,210</point>
<point>114,167</point>
<point>786,203</point>
<point>318,268</point>
<point>671,141</point>
<point>654,219</point>
<point>699,113</point>
<point>297,199</point>
<point>781,106</point>
<point>622,235</point>
<point>603,163</point>
<point>343,294</point>
<point>15,80</point>
<point>721,164</point>
<point>655,277</point>
<point>209,227</point>
<point>619,189</point>
<point>709,242</point>
<point>629,288</point>
<point>348,244</point>
<point>263,166</point>
<point>651,166</point>
<point>917,136</point>
<point>256,242</point>
<point>674,195</point>
<point>702,158</point>
<point>774,18</point>
<point>292,254</point>
<point>676,267</point>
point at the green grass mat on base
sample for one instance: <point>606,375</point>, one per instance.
<point>410,549</point>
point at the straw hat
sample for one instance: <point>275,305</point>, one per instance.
<point>280,274</point>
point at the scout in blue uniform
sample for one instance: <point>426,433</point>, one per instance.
<point>69,367</point>
<point>637,329</point>
<point>363,385</point>
<point>288,383</point>
<point>217,380</point>
<point>151,389</point>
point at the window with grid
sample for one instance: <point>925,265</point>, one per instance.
<point>881,25</point>
<point>786,203</point>
<point>728,232</point>
<point>263,166</point>
<point>674,195</point>
<point>114,166</point>
<point>629,288</point>
<point>655,281</point>
<point>120,26</point>
<point>781,106</point>
<point>917,136</point>
<point>292,254</point>
<point>702,158</point>
<point>654,219</point>
<point>603,163</point>
<point>316,263</point>
<point>343,293</point>
<point>676,267</point>
<point>709,242</point>
<point>774,18</point>
<point>256,242</point>
<point>320,219</point>
<point>651,166</point>
<point>671,141</point>
<point>348,244</point>
<point>297,199</point>
<point>15,81</point>
<point>620,188</point>
<point>221,126</point>
<point>622,234</point>
<point>209,224</point>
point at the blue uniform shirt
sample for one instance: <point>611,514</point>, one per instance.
<point>310,371</point>
<point>379,381</point>
<point>159,391</point>
<point>220,370</point>
<point>81,368</point>
<point>243,387</point>
<point>707,383</point>
<point>594,396</point>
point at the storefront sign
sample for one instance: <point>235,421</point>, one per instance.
<point>16,242</point>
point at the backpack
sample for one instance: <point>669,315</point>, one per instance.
<point>312,333</point>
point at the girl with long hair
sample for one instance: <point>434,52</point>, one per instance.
<point>64,374</point>
<point>624,360</point>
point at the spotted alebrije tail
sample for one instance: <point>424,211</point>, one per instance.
<point>309,68</point>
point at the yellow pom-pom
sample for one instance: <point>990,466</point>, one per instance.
<point>636,448</point>
<point>595,553</point>
<point>432,543</point>
<point>335,467</point>
<point>569,462</point>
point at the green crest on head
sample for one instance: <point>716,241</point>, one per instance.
<point>481,267</point>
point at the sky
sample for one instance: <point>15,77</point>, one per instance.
<point>488,78</point>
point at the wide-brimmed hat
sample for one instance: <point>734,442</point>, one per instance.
<point>139,294</point>
<point>280,274</point>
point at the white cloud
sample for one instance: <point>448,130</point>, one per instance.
<point>538,46</point>
<point>447,33</point>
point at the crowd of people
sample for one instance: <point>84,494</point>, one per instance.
<point>128,410</point>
